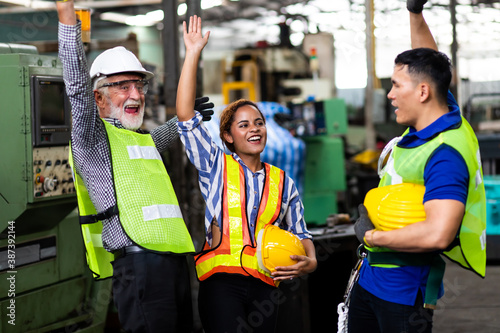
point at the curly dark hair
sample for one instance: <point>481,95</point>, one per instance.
<point>227,118</point>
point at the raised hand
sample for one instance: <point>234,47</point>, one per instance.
<point>186,92</point>
<point>193,39</point>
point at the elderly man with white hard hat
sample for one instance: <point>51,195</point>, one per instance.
<point>131,222</point>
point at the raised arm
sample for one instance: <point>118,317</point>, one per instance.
<point>66,12</point>
<point>186,92</point>
<point>421,35</point>
<point>85,117</point>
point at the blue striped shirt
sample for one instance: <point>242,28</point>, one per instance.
<point>208,158</point>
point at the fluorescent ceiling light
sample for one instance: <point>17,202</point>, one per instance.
<point>32,4</point>
<point>146,20</point>
<point>114,17</point>
<point>139,21</point>
<point>205,4</point>
<point>155,15</point>
<point>182,9</point>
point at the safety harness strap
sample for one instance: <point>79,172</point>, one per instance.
<point>434,260</point>
<point>94,218</point>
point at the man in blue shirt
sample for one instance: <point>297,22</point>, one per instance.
<point>439,150</point>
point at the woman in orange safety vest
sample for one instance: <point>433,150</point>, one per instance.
<point>243,195</point>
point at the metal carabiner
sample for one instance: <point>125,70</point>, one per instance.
<point>354,273</point>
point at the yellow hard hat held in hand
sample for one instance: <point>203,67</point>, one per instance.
<point>275,246</point>
<point>395,206</point>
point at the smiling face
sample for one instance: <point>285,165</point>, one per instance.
<point>125,106</point>
<point>405,96</point>
<point>248,133</point>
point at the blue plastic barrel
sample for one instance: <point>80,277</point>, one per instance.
<point>492,190</point>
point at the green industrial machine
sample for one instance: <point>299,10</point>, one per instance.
<point>45,285</point>
<point>324,167</point>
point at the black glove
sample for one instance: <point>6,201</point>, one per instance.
<point>363,224</point>
<point>415,6</point>
<point>206,109</point>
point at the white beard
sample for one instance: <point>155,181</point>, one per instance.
<point>129,121</point>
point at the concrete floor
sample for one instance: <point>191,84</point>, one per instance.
<point>470,304</point>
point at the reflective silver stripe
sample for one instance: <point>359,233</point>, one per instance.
<point>97,240</point>
<point>482,239</point>
<point>387,149</point>
<point>478,178</point>
<point>143,152</point>
<point>161,211</point>
<point>391,170</point>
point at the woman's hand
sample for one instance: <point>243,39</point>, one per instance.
<point>305,264</point>
<point>193,39</point>
<point>186,91</point>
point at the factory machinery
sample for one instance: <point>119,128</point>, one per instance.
<point>48,287</point>
<point>303,80</point>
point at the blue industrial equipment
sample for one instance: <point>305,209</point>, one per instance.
<point>321,123</point>
<point>492,189</point>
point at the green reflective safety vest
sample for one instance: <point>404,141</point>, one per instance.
<point>145,201</point>
<point>98,259</point>
<point>407,165</point>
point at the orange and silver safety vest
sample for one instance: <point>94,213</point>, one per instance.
<point>236,252</point>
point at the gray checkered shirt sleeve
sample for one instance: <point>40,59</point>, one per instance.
<point>88,137</point>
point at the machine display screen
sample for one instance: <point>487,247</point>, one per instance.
<point>51,103</point>
<point>51,111</point>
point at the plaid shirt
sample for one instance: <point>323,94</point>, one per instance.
<point>208,158</point>
<point>89,145</point>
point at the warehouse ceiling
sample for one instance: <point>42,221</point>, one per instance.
<point>235,24</point>
<point>256,15</point>
<point>220,11</point>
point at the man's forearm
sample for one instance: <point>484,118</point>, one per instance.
<point>186,91</point>
<point>166,134</point>
<point>66,12</point>
<point>421,35</point>
<point>78,85</point>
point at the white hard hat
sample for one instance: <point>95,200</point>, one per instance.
<point>117,60</point>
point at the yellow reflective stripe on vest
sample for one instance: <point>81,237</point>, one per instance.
<point>235,201</point>
<point>230,256</point>
<point>272,197</point>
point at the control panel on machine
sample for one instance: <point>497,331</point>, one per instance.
<point>51,134</point>
<point>52,172</point>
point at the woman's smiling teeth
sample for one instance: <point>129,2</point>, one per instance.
<point>254,138</point>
